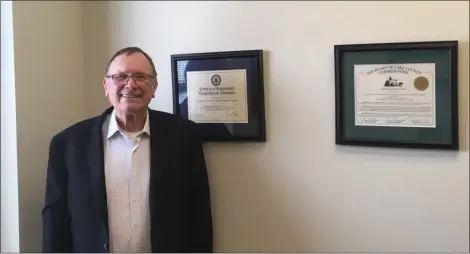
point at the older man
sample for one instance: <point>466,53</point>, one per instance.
<point>131,179</point>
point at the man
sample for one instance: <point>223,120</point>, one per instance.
<point>129,180</point>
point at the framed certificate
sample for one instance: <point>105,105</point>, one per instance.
<point>222,92</point>
<point>397,94</point>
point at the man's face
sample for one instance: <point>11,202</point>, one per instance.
<point>130,94</point>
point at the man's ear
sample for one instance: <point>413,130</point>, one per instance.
<point>105,87</point>
<point>155,85</point>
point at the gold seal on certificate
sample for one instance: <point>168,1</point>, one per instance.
<point>217,96</point>
<point>395,95</point>
<point>421,83</point>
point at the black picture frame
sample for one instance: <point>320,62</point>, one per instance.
<point>395,57</point>
<point>253,128</point>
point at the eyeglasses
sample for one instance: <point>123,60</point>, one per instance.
<point>123,78</point>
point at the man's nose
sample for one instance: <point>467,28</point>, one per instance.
<point>130,82</point>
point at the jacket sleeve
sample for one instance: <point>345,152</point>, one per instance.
<point>57,236</point>
<point>202,228</point>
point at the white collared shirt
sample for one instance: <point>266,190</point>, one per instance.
<point>127,172</point>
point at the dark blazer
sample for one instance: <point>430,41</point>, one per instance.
<point>75,217</point>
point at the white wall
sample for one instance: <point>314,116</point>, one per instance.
<point>299,193</point>
<point>49,96</point>
<point>9,180</point>
<point>293,193</point>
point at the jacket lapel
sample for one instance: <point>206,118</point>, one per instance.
<point>95,155</point>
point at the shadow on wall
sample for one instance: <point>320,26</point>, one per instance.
<point>97,50</point>
<point>463,94</point>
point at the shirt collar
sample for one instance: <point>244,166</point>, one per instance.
<point>113,126</point>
